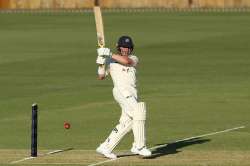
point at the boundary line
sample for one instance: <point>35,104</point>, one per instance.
<point>184,139</point>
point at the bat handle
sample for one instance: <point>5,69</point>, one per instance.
<point>101,45</point>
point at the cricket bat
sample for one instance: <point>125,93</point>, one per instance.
<point>99,24</point>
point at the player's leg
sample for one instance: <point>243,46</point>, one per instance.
<point>139,117</point>
<point>121,129</point>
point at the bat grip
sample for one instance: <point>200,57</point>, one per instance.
<point>101,45</point>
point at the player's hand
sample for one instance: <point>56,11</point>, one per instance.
<point>104,52</point>
<point>100,60</point>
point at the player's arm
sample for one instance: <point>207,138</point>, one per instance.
<point>125,60</point>
<point>101,72</point>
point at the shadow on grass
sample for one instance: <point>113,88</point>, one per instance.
<point>169,148</point>
<point>173,148</point>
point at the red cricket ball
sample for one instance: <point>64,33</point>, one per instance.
<point>66,125</point>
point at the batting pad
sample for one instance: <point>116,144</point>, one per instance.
<point>118,132</point>
<point>140,112</point>
<point>139,125</point>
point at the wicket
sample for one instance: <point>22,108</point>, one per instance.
<point>34,130</point>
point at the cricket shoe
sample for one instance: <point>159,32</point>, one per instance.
<point>142,151</point>
<point>102,150</point>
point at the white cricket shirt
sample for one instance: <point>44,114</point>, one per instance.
<point>124,77</point>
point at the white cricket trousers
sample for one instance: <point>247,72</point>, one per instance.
<point>127,99</point>
<point>128,103</point>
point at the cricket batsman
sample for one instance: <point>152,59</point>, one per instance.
<point>122,68</point>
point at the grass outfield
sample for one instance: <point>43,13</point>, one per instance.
<point>194,76</point>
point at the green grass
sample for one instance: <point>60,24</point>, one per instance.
<point>194,75</point>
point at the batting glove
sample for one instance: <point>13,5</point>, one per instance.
<point>104,52</point>
<point>100,60</point>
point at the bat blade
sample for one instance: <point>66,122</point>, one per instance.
<point>99,26</point>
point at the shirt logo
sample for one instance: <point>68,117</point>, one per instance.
<point>124,69</point>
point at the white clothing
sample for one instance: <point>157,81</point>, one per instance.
<point>124,80</point>
<point>125,93</point>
